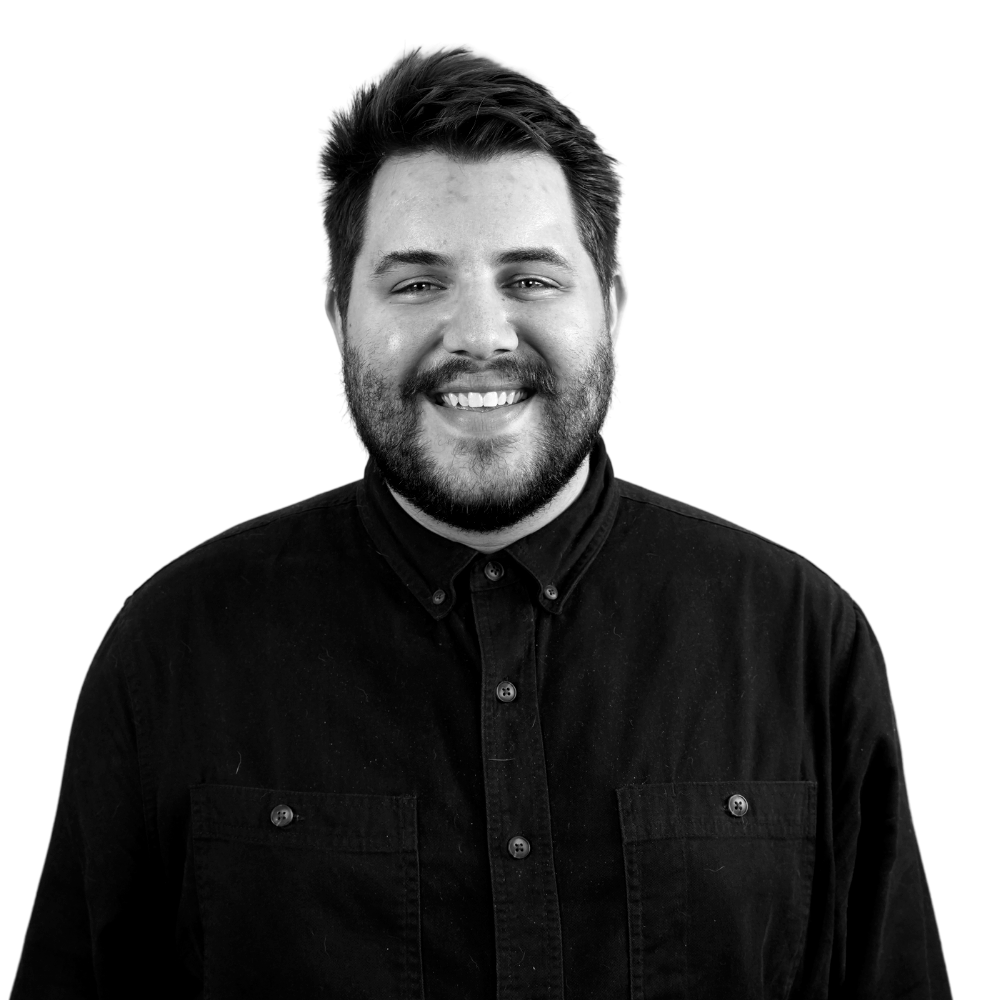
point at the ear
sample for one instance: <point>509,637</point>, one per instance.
<point>616,306</point>
<point>336,320</point>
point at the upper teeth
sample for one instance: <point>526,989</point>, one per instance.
<point>478,400</point>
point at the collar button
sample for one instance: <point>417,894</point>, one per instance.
<point>493,571</point>
<point>550,592</point>
<point>438,596</point>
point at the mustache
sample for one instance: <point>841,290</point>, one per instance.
<point>530,373</point>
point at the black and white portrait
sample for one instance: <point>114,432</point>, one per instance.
<point>499,502</point>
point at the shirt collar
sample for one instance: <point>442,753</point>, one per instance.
<point>556,555</point>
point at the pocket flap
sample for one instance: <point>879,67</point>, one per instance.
<point>776,809</point>
<point>324,820</point>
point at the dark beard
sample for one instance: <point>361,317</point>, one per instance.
<point>387,419</point>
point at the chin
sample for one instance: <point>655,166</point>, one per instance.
<point>484,466</point>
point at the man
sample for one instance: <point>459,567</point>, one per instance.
<point>488,722</point>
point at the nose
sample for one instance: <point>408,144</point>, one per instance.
<point>480,327</point>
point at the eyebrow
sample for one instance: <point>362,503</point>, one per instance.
<point>534,255</point>
<point>428,258</point>
<point>401,258</point>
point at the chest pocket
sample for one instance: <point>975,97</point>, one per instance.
<point>307,894</point>
<point>719,876</point>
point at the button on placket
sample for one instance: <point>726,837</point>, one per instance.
<point>526,906</point>
<point>493,571</point>
<point>506,691</point>
<point>518,848</point>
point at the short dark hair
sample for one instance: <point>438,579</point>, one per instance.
<point>470,108</point>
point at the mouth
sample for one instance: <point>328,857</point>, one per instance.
<point>491,400</point>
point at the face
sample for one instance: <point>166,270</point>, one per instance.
<point>477,347</point>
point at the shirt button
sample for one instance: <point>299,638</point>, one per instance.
<point>282,815</point>
<point>493,571</point>
<point>438,596</point>
<point>506,691</point>
<point>519,847</point>
<point>550,592</point>
<point>738,806</point>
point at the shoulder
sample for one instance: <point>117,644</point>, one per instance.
<point>638,498</point>
<point>337,503</point>
<point>696,545</point>
<point>292,541</point>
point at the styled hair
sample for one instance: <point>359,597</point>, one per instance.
<point>472,109</point>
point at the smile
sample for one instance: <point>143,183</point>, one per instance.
<point>480,400</point>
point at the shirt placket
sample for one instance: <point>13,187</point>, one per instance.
<point>522,866</point>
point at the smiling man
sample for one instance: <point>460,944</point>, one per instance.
<point>477,340</point>
<point>489,722</point>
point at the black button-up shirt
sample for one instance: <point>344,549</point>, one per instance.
<point>296,770</point>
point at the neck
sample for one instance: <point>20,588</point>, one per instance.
<point>493,541</point>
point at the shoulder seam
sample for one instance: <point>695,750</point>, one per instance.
<point>254,524</point>
<point>707,518</point>
<point>720,523</point>
<point>279,515</point>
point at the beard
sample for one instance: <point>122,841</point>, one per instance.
<point>493,482</point>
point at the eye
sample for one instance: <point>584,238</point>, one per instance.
<point>531,284</point>
<point>420,287</point>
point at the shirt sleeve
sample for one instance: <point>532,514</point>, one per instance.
<point>93,930</point>
<point>886,940</point>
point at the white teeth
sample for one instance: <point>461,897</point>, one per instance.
<point>477,400</point>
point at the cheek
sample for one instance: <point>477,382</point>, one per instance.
<point>568,343</point>
<point>398,344</point>
<point>385,344</point>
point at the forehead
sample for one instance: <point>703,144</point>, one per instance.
<point>435,201</point>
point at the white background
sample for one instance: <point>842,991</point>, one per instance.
<point>810,238</point>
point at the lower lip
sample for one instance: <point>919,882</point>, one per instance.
<point>480,422</point>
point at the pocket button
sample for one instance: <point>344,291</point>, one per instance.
<point>282,815</point>
<point>738,806</point>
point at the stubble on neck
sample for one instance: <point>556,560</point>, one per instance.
<point>488,542</point>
